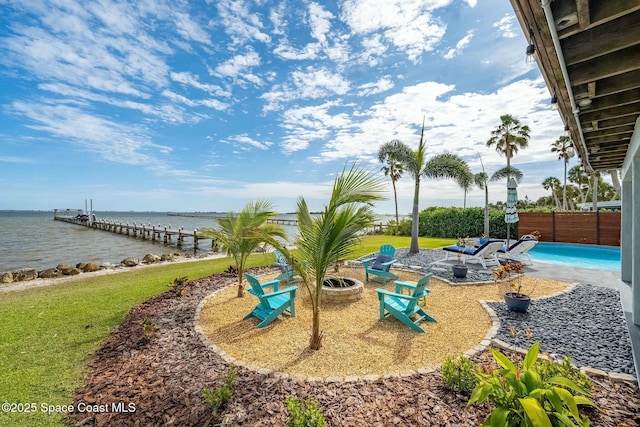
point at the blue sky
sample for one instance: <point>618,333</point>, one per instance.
<point>203,106</point>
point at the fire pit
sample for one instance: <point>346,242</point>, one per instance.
<point>341,289</point>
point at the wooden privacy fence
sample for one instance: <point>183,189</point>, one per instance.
<point>595,228</point>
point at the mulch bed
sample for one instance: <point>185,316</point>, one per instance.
<point>163,371</point>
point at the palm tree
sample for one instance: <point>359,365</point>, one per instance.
<point>327,237</point>
<point>552,183</point>
<point>441,166</point>
<point>577,176</point>
<point>481,179</point>
<point>393,168</point>
<point>236,236</point>
<point>509,137</point>
<point>564,147</point>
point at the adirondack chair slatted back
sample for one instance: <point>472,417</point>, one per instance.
<point>257,290</point>
<point>418,293</point>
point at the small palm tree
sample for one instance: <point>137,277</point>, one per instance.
<point>439,167</point>
<point>552,183</point>
<point>327,237</point>
<point>509,137</point>
<point>236,235</point>
<point>563,146</point>
<point>393,168</point>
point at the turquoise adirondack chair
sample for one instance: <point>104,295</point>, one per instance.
<point>288,274</point>
<point>380,265</point>
<point>271,304</point>
<point>402,307</point>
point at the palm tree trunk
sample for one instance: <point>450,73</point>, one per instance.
<point>395,197</point>
<point>414,249</point>
<point>594,197</point>
<point>486,210</point>
<point>240,280</point>
<point>615,181</point>
<point>315,343</point>
<point>564,189</point>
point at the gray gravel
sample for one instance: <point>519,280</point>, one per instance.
<point>587,324</point>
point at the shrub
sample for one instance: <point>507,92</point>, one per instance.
<point>219,397</point>
<point>304,413</point>
<point>178,286</point>
<point>460,374</point>
<point>402,228</point>
<point>566,369</point>
<point>526,396</point>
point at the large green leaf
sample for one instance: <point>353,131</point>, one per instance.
<point>569,400</point>
<point>567,383</point>
<point>499,416</point>
<point>532,356</point>
<point>503,360</point>
<point>535,412</point>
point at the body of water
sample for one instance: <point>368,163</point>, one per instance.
<point>33,239</point>
<point>575,255</point>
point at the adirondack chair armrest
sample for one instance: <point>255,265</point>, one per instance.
<point>382,292</point>
<point>291,289</point>
<point>388,263</point>
<point>270,283</point>
<point>366,261</point>
<point>400,286</point>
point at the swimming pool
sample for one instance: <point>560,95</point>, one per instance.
<point>586,256</point>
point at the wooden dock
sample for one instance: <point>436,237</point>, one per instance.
<point>213,215</point>
<point>158,233</point>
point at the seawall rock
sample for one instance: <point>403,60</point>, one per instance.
<point>91,267</point>
<point>130,262</point>
<point>150,258</point>
<point>25,274</point>
<point>50,273</point>
<point>6,277</point>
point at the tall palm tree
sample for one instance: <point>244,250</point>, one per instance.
<point>563,146</point>
<point>441,166</point>
<point>481,179</point>
<point>392,169</point>
<point>552,183</point>
<point>509,137</point>
<point>236,236</point>
<point>577,176</point>
<point>327,237</point>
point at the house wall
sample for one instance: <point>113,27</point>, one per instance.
<point>630,229</point>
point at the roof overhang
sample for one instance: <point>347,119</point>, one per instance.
<point>589,54</point>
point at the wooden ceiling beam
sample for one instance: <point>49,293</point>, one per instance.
<point>614,100</point>
<point>612,64</point>
<point>610,139</point>
<point>608,10</point>
<point>610,123</point>
<point>624,110</point>
<point>612,131</point>
<point>602,39</point>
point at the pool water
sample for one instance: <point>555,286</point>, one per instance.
<point>585,256</point>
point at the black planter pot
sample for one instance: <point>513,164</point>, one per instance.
<point>459,270</point>
<point>517,303</point>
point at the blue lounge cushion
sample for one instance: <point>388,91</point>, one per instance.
<point>381,259</point>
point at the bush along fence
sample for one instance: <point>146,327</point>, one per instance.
<point>597,228</point>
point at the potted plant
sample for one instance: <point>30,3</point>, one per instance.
<point>512,273</point>
<point>460,270</point>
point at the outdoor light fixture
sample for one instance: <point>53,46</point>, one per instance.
<point>571,151</point>
<point>554,102</point>
<point>531,50</point>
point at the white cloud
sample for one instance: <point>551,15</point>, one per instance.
<point>191,30</point>
<point>408,25</point>
<point>464,42</point>
<point>373,88</point>
<point>244,139</point>
<point>236,68</point>
<point>239,23</point>
<point>308,84</point>
<point>505,25</point>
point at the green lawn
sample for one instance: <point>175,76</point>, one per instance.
<point>48,334</point>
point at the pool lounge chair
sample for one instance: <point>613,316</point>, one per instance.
<point>519,250</point>
<point>485,254</point>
